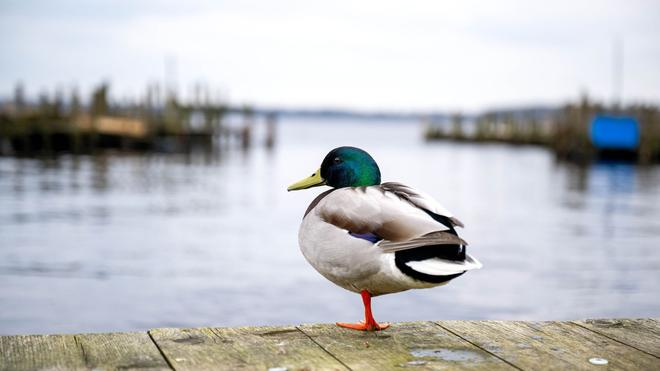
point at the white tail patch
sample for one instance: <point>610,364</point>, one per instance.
<point>442,267</point>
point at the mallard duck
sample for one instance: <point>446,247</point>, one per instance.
<point>377,238</point>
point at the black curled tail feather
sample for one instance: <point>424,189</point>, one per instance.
<point>405,269</point>
<point>455,253</point>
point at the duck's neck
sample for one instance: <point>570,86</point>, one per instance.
<point>368,176</point>
<point>358,175</point>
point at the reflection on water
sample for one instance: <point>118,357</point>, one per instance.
<point>122,242</point>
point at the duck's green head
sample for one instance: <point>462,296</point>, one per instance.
<point>343,167</point>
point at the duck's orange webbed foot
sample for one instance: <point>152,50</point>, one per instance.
<point>369,324</point>
<point>363,326</point>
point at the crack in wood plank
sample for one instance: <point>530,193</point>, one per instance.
<point>82,350</point>
<point>593,325</point>
<point>169,364</point>
<point>477,345</point>
<point>322,347</point>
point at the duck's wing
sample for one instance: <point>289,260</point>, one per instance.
<point>377,211</point>
<point>429,239</point>
<point>424,202</point>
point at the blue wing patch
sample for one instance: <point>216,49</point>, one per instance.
<point>366,236</point>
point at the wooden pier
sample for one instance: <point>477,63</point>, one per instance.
<point>621,344</point>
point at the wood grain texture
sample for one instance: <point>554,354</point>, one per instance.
<point>643,334</point>
<point>41,352</point>
<point>550,345</point>
<point>121,351</point>
<point>422,345</point>
<point>246,348</point>
<point>627,344</point>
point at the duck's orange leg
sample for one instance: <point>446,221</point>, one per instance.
<point>369,323</point>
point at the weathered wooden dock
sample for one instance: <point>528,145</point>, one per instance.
<point>622,344</point>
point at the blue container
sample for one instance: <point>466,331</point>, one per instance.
<point>614,133</point>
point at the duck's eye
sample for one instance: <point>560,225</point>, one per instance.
<point>337,160</point>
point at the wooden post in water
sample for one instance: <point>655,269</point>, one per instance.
<point>246,131</point>
<point>271,122</point>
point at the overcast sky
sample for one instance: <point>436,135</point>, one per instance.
<point>392,55</point>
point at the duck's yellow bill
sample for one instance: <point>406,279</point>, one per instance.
<point>309,182</point>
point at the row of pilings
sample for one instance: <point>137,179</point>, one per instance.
<point>51,126</point>
<point>566,130</point>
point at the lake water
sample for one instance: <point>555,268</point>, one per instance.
<point>131,242</point>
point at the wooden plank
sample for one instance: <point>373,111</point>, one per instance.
<point>625,343</point>
<point>422,345</point>
<point>550,345</point>
<point>121,351</point>
<point>38,352</point>
<point>643,334</point>
<point>247,348</point>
